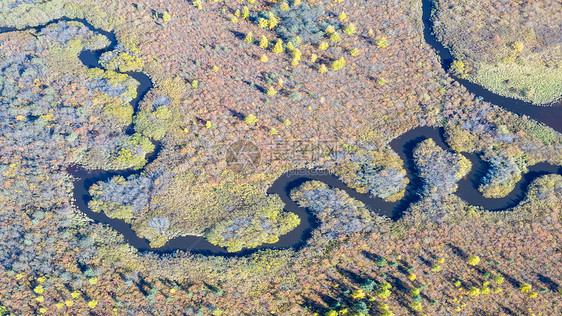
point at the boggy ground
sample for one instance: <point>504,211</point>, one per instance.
<point>510,47</point>
<point>215,86</point>
<point>219,80</point>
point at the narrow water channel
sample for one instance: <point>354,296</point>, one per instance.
<point>549,115</point>
<point>403,145</point>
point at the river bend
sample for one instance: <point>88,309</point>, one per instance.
<point>403,145</point>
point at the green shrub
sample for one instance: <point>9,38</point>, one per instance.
<point>154,124</point>
<point>381,262</point>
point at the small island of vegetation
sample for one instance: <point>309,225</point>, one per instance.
<point>279,158</point>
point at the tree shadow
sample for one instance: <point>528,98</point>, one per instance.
<point>352,276</point>
<point>371,256</point>
<point>425,261</point>
<point>238,35</point>
<point>457,251</point>
<point>550,283</point>
<point>237,114</point>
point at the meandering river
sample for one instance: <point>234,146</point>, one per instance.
<point>403,145</point>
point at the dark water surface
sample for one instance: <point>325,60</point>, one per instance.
<point>549,115</point>
<point>403,145</point>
